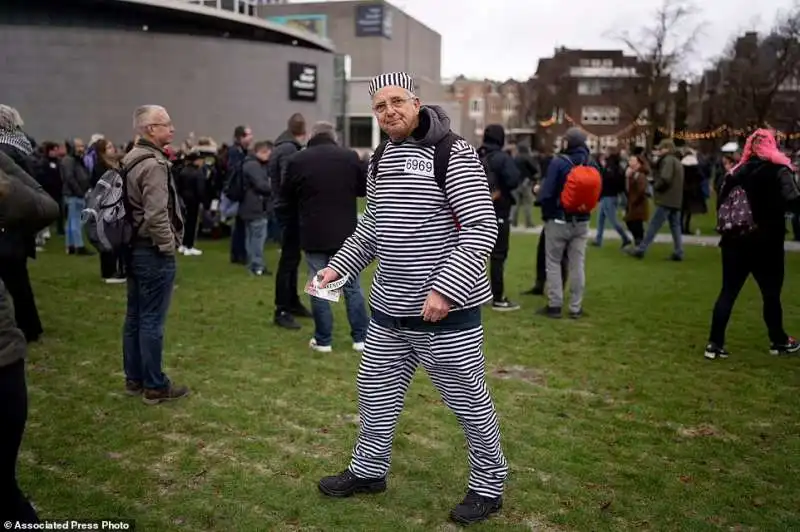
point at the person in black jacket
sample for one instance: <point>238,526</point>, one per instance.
<point>507,176</point>
<point>613,185</point>
<point>18,243</point>
<point>24,207</point>
<point>287,300</point>
<point>769,183</point>
<point>242,137</point>
<point>254,208</point>
<point>191,185</point>
<point>320,191</point>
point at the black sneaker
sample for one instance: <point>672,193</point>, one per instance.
<point>286,320</point>
<point>550,312</point>
<point>577,314</point>
<point>675,258</point>
<point>790,347</point>
<point>475,508</point>
<point>346,484</point>
<point>504,305</point>
<point>713,351</point>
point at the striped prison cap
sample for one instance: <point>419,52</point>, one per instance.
<point>393,79</point>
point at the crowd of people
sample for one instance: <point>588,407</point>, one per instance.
<point>437,211</point>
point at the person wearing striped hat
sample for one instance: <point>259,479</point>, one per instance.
<point>431,224</point>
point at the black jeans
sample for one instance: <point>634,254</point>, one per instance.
<point>14,273</point>
<point>13,415</point>
<point>286,298</point>
<point>498,258</point>
<point>636,228</point>
<point>238,247</point>
<point>541,263</point>
<point>686,222</point>
<point>112,264</point>
<point>190,228</point>
<point>765,261</point>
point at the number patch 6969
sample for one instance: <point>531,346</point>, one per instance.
<point>419,166</point>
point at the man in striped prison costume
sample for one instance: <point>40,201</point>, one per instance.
<point>432,240</point>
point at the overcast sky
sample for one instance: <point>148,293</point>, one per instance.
<point>499,39</point>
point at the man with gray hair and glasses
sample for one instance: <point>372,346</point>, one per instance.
<point>320,190</point>
<point>157,234</point>
<point>431,225</point>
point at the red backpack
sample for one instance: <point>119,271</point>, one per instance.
<point>582,189</point>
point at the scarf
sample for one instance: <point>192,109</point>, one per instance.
<point>762,144</point>
<point>17,139</point>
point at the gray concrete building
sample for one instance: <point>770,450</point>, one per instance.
<point>376,37</point>
<point>76,67</point>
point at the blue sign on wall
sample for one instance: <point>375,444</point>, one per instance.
<point>373,20</point>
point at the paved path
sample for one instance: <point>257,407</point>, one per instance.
<point>665,238</point>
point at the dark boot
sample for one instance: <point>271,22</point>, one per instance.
<point>346,484</point>
<point>286,320</point>
<point>475,508</point>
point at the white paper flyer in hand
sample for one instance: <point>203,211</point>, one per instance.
<point>331,292</point>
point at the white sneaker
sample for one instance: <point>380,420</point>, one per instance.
<point>319,348</point>
<point>116,280</point>
<point>358,347</point>
<point>194,252</point>
<point>182,250</point>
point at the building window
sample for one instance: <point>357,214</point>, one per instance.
<point>596,63</point>
<point>585,63</point>
<point>609,63</point>
<point>589,87</point>
<point>360,132</point>
<point>476,105</point>
<point>600,115</point>
<point>508,105</point>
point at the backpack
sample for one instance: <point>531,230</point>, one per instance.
<point>234,188</point>
<point>107,216</point>
<point>582,188</point>
<point>441,160</point>
<point>735,216</point>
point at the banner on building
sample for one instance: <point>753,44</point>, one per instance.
<point>314,24</point>
<point>302,82</point>
<point>373,20</point>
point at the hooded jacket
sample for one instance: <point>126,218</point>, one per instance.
<point>668,183</point>
<point>557,171</point>
<point>502,166</point>
<point>25,207</point>
<point>772,190</point>
<point>408,226</point>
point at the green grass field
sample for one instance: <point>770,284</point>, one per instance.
<point>615,422</point>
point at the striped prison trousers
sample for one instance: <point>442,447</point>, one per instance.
<point>455,363</point>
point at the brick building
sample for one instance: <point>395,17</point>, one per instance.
<point>602,91</point>
<point>483,102</point>
<point>752,86</point>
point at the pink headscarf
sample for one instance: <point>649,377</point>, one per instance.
<point>762,144</point>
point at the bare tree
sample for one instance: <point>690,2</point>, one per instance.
<point>758,76</point>
<point>526,103</point>
<point>662,48</point>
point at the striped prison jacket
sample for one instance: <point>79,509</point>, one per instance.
<point>408,226</point>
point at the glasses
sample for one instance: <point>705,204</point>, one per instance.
<point>158,124</point>
<point>395,103</point>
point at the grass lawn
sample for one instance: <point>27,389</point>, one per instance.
<point>614,423</point>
